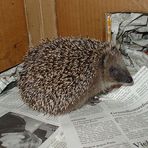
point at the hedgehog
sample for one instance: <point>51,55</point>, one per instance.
<point>63,74</point>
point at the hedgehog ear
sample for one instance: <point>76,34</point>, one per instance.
<point>115,45</point>
<point>102,60</point>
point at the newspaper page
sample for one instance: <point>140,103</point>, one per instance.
<point>102,125</point>
<point>120,121</point>
<point>130,110</point>
<point>20,126</point>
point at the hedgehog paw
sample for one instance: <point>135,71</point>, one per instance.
<point>94,100</point>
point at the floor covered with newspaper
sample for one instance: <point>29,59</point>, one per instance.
<point>120,120</point>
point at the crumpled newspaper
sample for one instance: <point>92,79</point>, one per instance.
<point>135,60</point>
<point>9,76</point>
<point>130,31</point>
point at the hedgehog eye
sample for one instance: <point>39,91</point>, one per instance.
<point>113,71</point>
<point>116,73</point>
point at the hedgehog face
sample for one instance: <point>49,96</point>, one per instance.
<point>120,75</point>
<point>115,70</point>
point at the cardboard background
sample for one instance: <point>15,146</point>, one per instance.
<point>52,18</point>
<point>74,17</point>
<point>13,33</point>
<point>87,17</point>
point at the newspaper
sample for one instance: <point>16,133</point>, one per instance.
<point>119,121</point>
<point>20,126</point>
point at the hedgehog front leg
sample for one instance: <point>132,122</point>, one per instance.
<point>93,100</point>
<point>96,99</point>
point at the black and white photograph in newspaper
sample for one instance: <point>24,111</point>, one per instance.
<point>19,131</point>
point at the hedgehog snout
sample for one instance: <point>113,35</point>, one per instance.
<point>129,81</point>
<point>121,75</point>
